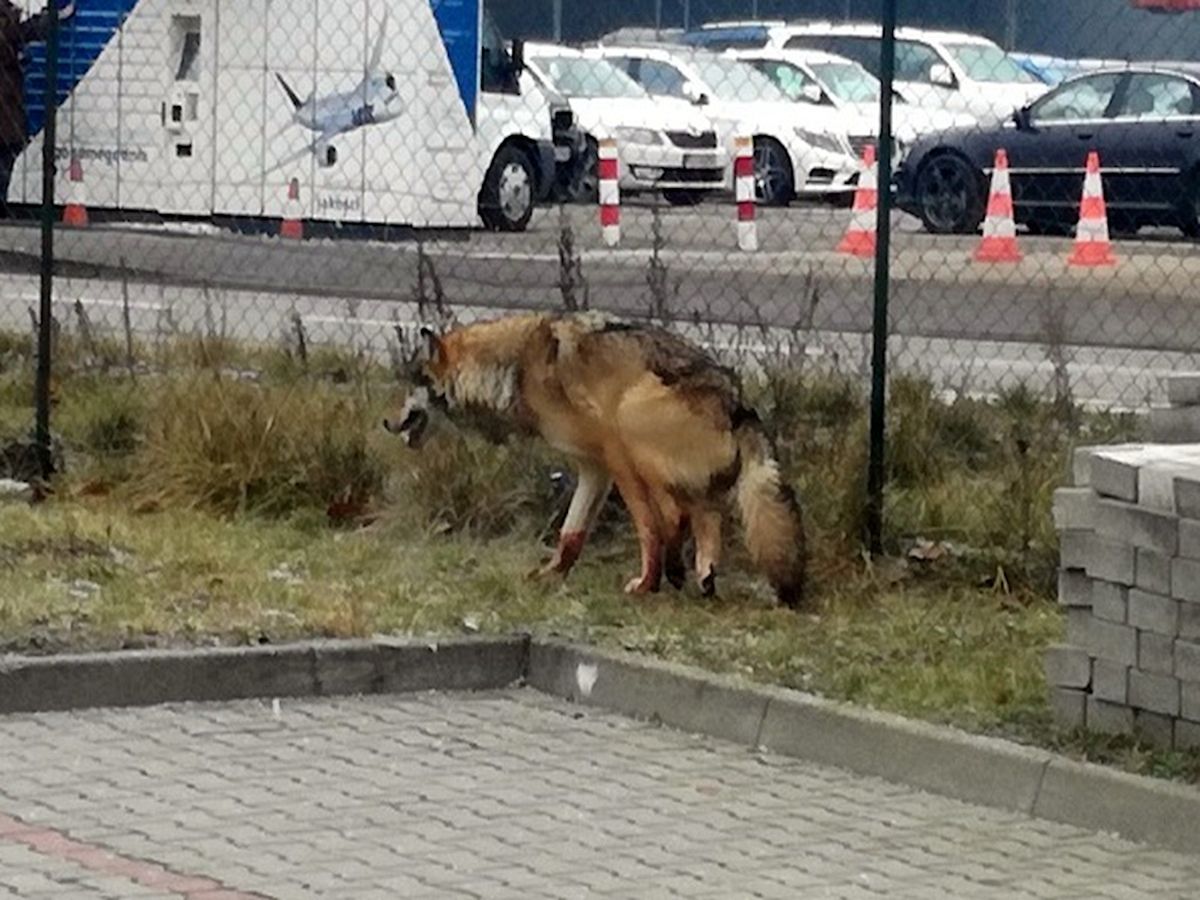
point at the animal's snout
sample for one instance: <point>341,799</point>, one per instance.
<point>411,427</point>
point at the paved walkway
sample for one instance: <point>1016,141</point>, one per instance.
<point>508,795</point>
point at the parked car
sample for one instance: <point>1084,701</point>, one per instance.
<point>796,153</point>
<point>1054,70</point>
<point>665,145</point>
<point>1143,120</point>
<point>814,76</point>
<point>947,70</point>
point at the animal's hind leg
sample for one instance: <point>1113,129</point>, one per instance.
<point>591,491</point>
<point>637,497</point>
<point>675,527</point>
<point>706,528</point>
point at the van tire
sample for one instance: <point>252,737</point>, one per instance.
<point>506,199</point>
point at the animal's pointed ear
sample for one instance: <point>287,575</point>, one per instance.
<point>431,345</point>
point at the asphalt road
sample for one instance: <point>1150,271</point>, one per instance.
<point>1147,302</point>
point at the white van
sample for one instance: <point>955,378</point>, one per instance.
<point>664,144</point>
<point>948,70</point>
<point>373,112</point>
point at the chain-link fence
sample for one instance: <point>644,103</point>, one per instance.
<point>307,176</point>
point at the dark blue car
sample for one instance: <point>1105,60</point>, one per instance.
<point>1143,120</point>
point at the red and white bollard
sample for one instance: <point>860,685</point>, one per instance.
<point>292,226</point>
<point>75,212</point>
<point>610,193</point>
<point>743,193</point>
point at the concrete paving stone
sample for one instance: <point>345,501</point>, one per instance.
<point>1126,523</point>
<point>1112,642</point>
<point>1110,681</point>
<point>1079,623</point>
<point>640,810</point>
<point>1074,508</point>
<point>1152,571</point>
<point>1109,718</point>
<point>1185,579</point>
<point>1157,693</point>
<point>1187,735</point>
<point>1156,729</point>
<point>1156,653</point>
<point>1109,560</point>
<point>1153,612</point>
<point>1189,621</point>
<point>1110,601</point>
<point>1187,660</point>
<point>1189,700</point>
<point>1112,476</point>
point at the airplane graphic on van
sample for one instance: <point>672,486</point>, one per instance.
<point>374,100</point>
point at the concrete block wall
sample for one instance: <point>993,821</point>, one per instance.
<point>1129,584</point>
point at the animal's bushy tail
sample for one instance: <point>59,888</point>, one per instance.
<point>770,514</point>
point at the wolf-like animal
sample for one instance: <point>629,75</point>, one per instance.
<point>631,404</point>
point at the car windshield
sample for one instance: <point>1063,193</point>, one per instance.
<point>987,62</point>
<point>581,76</point>
<point>848,82</point>
<point>729,79</point>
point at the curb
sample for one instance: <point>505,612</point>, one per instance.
<point>942,760</point>
<point>987,771</point>
<point>317,668</point>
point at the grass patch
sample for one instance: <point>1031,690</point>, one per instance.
<point>249,495</point>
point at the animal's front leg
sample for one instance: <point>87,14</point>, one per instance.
<point>591,491</point>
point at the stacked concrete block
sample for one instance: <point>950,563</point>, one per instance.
<point>1179,421</point>
<point>1129,585</point>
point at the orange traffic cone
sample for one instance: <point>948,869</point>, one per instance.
<point>1092,246</point>
<point>292,226</point>
<point>75,212</point>
<point>860,236</point>
<point>999,242</point>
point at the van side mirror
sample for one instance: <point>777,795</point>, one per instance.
<point>518,55</point>
<point>694,94</point>
<point>1022,119</point>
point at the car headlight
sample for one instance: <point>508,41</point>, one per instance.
<point>821,141</point>
<point>637,136</point>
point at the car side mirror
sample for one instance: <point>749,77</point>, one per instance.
<point>812,93</point>
<point>1022,119</point>
<point>940,74</point>
<point>518,55</point>
<point>694,94</point>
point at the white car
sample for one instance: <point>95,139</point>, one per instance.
<point>813,76</point>
<point>663,145</point>
<point>948,70</point>
<point>797,153</point>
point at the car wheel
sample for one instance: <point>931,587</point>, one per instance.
<point>506,200</point>
<point>949,194</point>
<point>586,185</point>
<point>681,197</point>
<point>774,182</point>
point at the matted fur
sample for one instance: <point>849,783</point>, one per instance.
<point>631,404</point>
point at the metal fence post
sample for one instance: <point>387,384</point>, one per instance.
<point>876,474</point>
<point>45,453</point>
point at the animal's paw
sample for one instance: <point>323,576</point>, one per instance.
<point>708,584</point>
<point>546,572</point>
<point>643,584</point>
